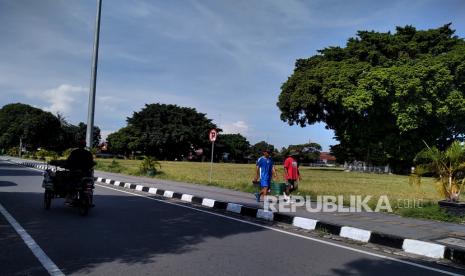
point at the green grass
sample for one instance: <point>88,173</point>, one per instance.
<point>316,181</point>
<point>431,211</point>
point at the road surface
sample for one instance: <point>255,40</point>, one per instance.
<point>128,234</point>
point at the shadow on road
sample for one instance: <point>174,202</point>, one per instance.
<point>18,171</point>
<point>7,184</point>
<point>121,229</point>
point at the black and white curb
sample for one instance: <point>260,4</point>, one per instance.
<point>423,248</point>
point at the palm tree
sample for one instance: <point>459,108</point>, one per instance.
<point>448,167</point>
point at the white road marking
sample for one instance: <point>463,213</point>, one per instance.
<point>289,233</point>
<point>33,246</point>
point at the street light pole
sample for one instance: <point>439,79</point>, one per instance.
<point>93,80</point>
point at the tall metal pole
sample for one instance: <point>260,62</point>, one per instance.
<point>211,162</point>
<point>93,80</point>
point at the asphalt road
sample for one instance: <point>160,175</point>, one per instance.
<point>131,235</point>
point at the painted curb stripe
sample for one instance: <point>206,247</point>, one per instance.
<point>152,190</point>
<point>139,188</point>
<point>305,223</point>
<point>263,214</point>
<point>386,240</point>
<point>234,208</point>
<point>355,234</point>
<point>248,211</point>
<point>196,199</point>
<point>127,185</point>
<point>168,194</point>
<point>328,227</point>
<point>220,205</point>
<point>428,249</point>
<point>186,197</point>
<point>208,202</point>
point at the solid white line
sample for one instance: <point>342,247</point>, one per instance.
<point>289,233</point>
<point>33,246</point>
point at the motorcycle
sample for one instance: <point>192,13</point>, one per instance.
<point>76,186</point>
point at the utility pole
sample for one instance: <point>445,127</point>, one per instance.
<point>20,147</point>
<point>93,80</point>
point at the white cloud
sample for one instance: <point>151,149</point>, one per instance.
<point>104,133</point>
<point>62,98</point>
<point>236,127</point>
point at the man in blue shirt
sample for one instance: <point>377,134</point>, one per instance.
<point>264,170</point>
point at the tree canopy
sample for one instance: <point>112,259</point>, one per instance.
<point>36,127</point>
<point>163,130</point>
<point>235,145</point>
<point>382,93</point>
<point>306,153</point>
<point>39,128</point>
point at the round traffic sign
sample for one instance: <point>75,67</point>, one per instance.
<point>212,135</point>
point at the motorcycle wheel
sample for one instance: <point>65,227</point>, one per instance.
<point>84,204</point>
<point>47,199</point>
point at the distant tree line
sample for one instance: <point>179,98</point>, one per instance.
<point>171,132</point>
<point>39,129</point>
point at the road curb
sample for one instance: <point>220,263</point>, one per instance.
<point>418,247</point>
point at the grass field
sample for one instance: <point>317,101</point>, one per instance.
<point>315,181</point>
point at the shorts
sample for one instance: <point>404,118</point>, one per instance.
<point>291,184</point>
<point>265,183</point>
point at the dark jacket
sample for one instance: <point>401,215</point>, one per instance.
<point>80,159</point>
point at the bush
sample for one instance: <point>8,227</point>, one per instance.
<point>13,151</point>
<point>67,152</point>
<point>44,154</point>
<point>149,166</point>
<point>115,167</point>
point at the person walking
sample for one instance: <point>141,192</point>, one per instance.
<point>291,174</point>
<point>264,170</point>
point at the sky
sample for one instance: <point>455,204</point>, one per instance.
<point>227,59</point>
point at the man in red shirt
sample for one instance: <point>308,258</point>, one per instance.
<point>291,174</point>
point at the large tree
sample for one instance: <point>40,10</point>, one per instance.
<point>124,141</point>
<point>235,145</point>
<point>82,130</point>
<point>165,131</point>
<point>383,93</point>
<point>307,153</point>
<point>257,149</point>
<point>36,127</point>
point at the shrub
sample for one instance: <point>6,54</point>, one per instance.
<point>13,151</point>
<point>115,167</point>
<point>448,168</point>
<point>149,166</point>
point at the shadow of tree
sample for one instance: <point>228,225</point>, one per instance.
<point>121,229</point>
<point>7,184</point>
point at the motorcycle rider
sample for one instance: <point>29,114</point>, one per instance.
<point>80,163</point>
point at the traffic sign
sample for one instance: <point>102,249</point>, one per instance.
<point>212,135</point>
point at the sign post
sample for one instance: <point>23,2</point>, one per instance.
<point>212,136</point>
